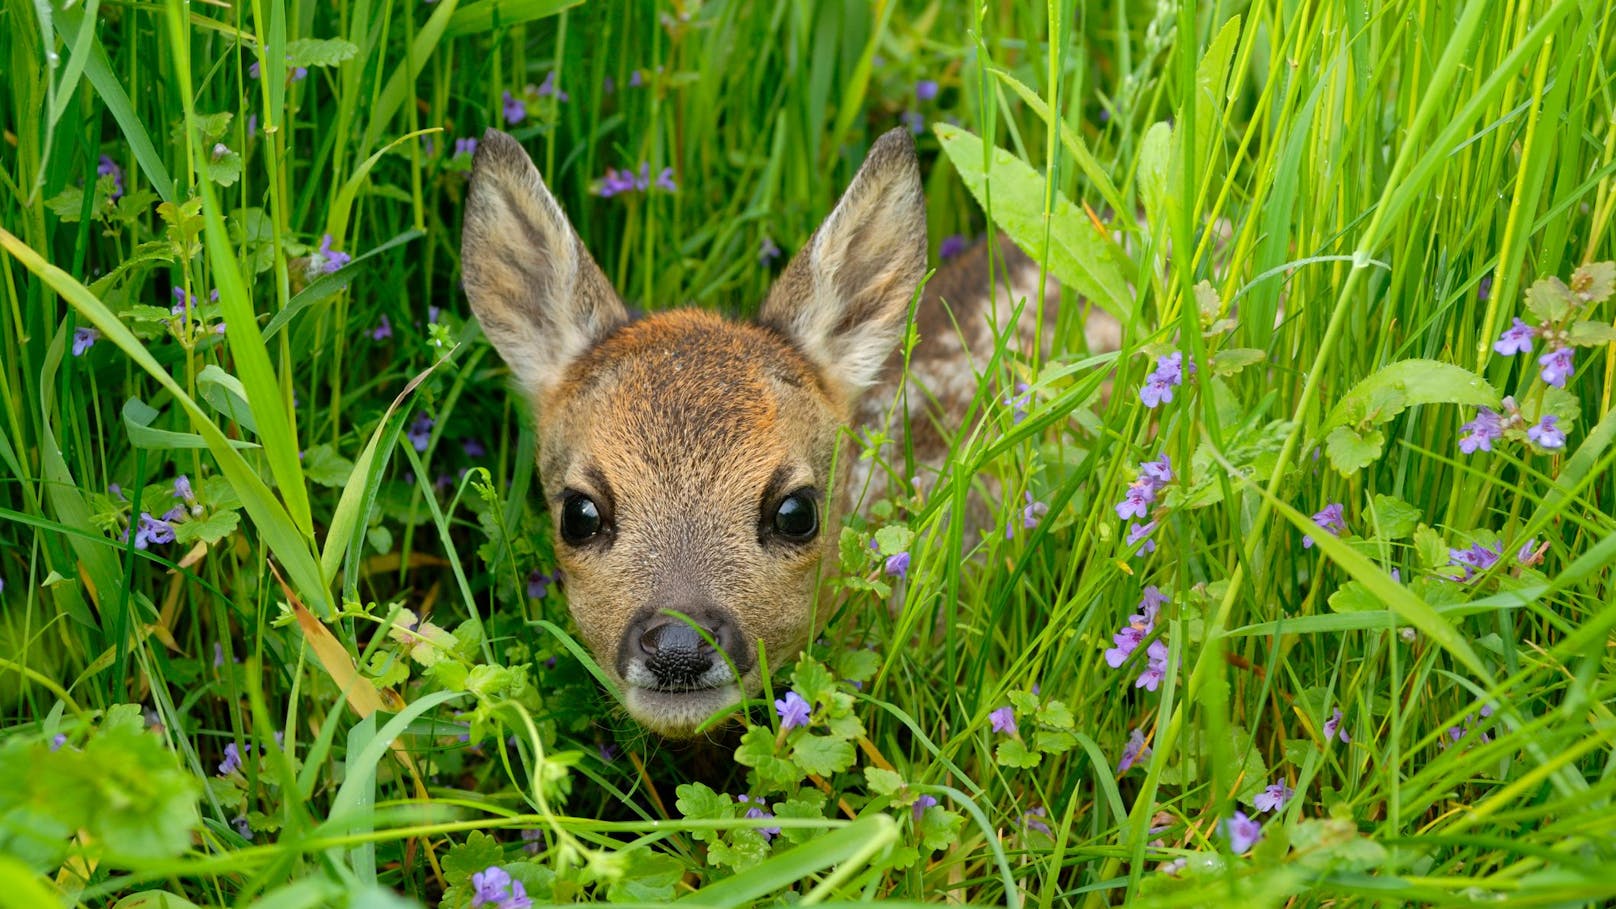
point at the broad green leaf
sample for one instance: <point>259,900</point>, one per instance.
<point>883,782</point>
<point>822,754</point>
<point>210,529</point>
<point>137,419</point>
<point>1589,334</point>
<point>1351,451</point>
<point>1012,753</point>
<point>1393,517</point>
<point>1075,146</point>
<point>1594,282</point>
<point>323,465</point>
<point>1550,300</point>
<point>1155,150</point>
<point>1228,362</point>
<point>1078,255</point>
<point>774,773</point>
<point>1354,597</point>
<point>307,52</point>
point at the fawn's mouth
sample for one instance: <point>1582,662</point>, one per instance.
<point>677,714</point>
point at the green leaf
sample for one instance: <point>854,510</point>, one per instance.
<point>227,395</point>
<point>1228,362</point>
<point>813,682</point>
<point>857,665</point>
<point>223,168</point>
<point>1053,742</point>
<point>940,828</point>
<point>822,754</point>
<point>808,804</point>
<point>652,877</point>
<point>1155,151</point>
<point>1382,396</point>
<point>485,15</point>
<point>308,52</point>
<point>1355,597</point>
<point>1012,753</point>
<point>1431,547</point>
<point>883,782</point>
<point>210,529</point>
<point>1394,518</point>
<point>479,851</point>
<point>1591,334</point>
<point>1550,300</point>
<point>893,539</point>
<point>323,465</point>
<point>1594,282</point>
<point>1055,713</point>
<point>1350,451</point>
<point>773,773</point>
<point>1077,254</point>
<point>137,420</point>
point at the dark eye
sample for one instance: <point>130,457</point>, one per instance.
<point>580,519</point>
<point>796,518</point>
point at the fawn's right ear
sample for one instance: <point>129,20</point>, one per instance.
<point>541,299</point>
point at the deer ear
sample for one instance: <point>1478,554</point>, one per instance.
<point>541,299</point>
<point>843,298</point>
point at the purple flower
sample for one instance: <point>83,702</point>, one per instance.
<point>635,80</point>
<point>252,127</point>
<point>664,181</point>
<point>756,813</point>
<point>1475,559</point>
<point>1136,501</point>
<point>1557,366</point>
<point>1003,720</point>
<point>1159,384</point>
<point>1480,433</point>
<point>1517,338</point>
<point>913,120</point>
<point>110,168</point>
<point>232,759</point>
<point>1134,752</point>
<point>1484,287</point>
<point>1155,666</point>
<point>1017,401</point>
<point>383,329</point>
<point>1138,628</point>
<point>548,89</point>
<point>1528,554</point>
<point>1331,519</point>
<point>1034,820</point>
<point>473,448</point>
<point>432,313</point>
<point>532,840</point>
<point>608,751</point>
<point>926,89</point>
<point>767,250</point>
<point>1032,511</point>
<point>1274,798</point>
<point>182,488</point>
<point>149,530</point>
<point>538,583</point>
<point>243,829</point>
<point>420,432</point>
<point>952,245</point>
<point>84,339</point>
<point>921,804</point>
<point>793,710</point>
<point>1158,472</point>
<point>58,740</point>
<point>1546,434</point>
<point>466,146</point>
<point>329,260</point>
<point>1332,727</point>
<point>1243,832</point>
<point>220,150</point>
<point>614,183</point>
<point>1137,532</point>
<point>493,887</point>
<point>513,108</point>
<point>898,565</point>
<point>218,658</point>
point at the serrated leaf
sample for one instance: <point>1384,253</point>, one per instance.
<point>883,782</point>
<point>1025,702</point>
<point>1431,548</point>
<point>1053,742</point>
<point>651,877</point>
<point>308,52</point>
<point>1394,518</point>
<point>1590,334</point>
<point>813,682</point>
<point>222,168</point>
<point>893,539</point>
<point>210,529</point>
<point>773,773</point>
<point>808,804</point>
<point>822,754</point>
<point>1550,300</point>
<point>1057,714</point>
<point>1350,451</point>
<point>479,851</point>
<point>1594,282</point>
<point>1077,254</point>
<point>1355,597</point>
<point>857,665</point>
<point>1012,753</point>
<point>67,204</point>
<point>1397,386</point>
<point>1228,362</point>
<point>323,465</point>
<point>940,828</point>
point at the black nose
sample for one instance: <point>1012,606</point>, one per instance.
<point>676,653</point>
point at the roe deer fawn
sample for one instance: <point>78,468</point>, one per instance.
<point>687,459</point>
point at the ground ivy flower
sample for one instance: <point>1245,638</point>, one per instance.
<point>1528,555</point>
<point>1155,666</point>
<point>420,432</point>
<point>926,89</point>
<point>1517,338</point>
<point>466,146</point>
<point>1477,558</point>
<point>757,812</point>
<point>898,564</point>
<point>1274,798</point>
<point>1003,720</point>
<point>1136,501</point>
<point>952,245</point>
<point>109,168</point>
<point>84,339</point>
<point>1139,626</point>
<point>1138,532</point>
<point>548,89</point>
<point>1159,472</point>
<point>664,181</point>
<point>474,448</point>
<point>767,250</point>
<point>513,109</point>
<point>1034,820</point>
<point>493,887</point>
<point>150,531</point>
<point>1159,384</point>
<point>913,120</point>
<point>1017,401</point>
<point>330,259</point>
<point>614,183</point>
<point>1032,512</point>
<point>383,329</point>
<point>1480,433</point>
<point>1329,517</point>
<point>1134,752</point>
<point>538,583</point>
<point>921,804</point>
<point>792,710</point>
<point>1546,434</point>
<point>243,829</point>
<point>1243,832</point>
<point>1557,366</point>
<point>1332,727</point>
<point>232,759</point>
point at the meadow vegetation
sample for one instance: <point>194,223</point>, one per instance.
<point>1303,597</point>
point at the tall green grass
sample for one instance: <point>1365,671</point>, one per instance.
<point>1296,198</point>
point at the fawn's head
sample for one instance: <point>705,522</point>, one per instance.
<point>687,460</point>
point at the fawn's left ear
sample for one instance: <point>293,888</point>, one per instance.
<point>843,298</point>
